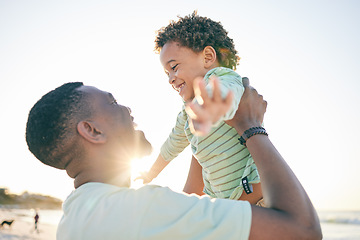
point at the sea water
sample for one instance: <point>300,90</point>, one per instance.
<point>336,225</point>
<point>340,225</point>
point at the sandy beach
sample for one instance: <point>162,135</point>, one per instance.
<point>336,225</point>
<point>23,227</point>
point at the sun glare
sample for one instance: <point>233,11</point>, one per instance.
<point>138,166</point>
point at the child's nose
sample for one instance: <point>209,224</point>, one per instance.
<point>171,79</point>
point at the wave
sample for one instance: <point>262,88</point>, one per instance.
<point>340,217</point>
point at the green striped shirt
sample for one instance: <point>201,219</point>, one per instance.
<point>224,161</point>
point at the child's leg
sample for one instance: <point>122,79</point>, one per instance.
<point>261,203</point>
<point>253,197</point>
<point>194,182</point>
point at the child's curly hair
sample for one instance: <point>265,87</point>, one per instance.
<point>197,32</point>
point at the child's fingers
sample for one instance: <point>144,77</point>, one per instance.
<point>194,111</point>
<point>200,91</point>
<point>140,177</point>
<point>189,110</point>
<point>216,89</point>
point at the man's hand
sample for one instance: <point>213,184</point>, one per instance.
<point>207,110</point>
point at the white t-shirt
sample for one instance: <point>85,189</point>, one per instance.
<point>103,211</point>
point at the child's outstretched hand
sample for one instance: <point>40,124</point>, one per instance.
<point>145,176</point>
<point>207,110</point>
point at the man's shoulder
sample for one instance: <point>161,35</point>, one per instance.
<point>94,197</point>
<point>96,190</point>
<point>119,208</point>
<point>149,210</point>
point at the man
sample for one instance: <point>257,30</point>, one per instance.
<point>83,130</point>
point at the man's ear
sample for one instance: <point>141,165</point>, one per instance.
<point>209,56</point>
<point>90,132</point>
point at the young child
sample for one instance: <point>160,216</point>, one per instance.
<point>196,47</point>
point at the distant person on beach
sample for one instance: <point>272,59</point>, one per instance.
<point>85,131</point>
<point>36,219</point>
<point>198,47</point>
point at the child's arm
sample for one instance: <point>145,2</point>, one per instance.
<point>174,144</point>
<point>154,171</point>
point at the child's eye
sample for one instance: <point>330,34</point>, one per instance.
<point>173,68</point>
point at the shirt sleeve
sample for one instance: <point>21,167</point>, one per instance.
<point>229,81</point>
<point>179,216</point>
<point>177,140</point>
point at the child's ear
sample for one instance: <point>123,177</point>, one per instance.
<point>90,132</point>
<point>209,56</point>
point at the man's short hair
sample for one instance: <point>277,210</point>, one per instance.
<point>52,122</point>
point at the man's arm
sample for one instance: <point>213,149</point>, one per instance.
<point>290,213</point>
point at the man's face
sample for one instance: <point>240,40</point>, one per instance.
<point>182,65</point>
<point>115,121</point>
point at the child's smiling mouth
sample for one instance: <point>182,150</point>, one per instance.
<point>179,87</point>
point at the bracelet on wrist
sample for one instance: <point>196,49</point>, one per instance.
<point>251,132</point>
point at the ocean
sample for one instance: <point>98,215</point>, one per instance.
<point>336,225</point>
<point>340,225</point>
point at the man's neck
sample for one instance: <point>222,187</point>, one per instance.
<point>119,180</point>
<point>116,176</point>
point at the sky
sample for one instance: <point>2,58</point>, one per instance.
<point>302,56</point>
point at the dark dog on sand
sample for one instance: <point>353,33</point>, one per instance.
<point>7,222</point>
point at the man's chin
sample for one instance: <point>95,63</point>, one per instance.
<point>143,146</point>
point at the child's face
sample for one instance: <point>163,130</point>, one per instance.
<point>182,65</point>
